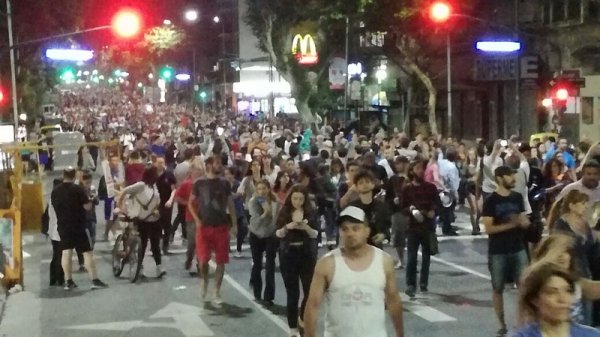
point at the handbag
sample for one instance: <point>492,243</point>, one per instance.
<point>434,248</point>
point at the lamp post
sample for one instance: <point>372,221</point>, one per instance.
<point>381,75</point>
<point>13,72</point>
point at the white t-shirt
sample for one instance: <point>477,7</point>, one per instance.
<point>489,181</point>
<point>521,179</point>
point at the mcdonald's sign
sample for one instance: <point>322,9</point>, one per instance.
<point>305,49</point>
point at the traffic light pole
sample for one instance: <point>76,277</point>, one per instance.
<point>13,72</point>
<point>449,84</point>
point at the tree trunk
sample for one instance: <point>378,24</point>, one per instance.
<point>305,113</point>
<point>432,101</point>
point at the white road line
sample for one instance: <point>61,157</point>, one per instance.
<point>459,267</point>
<point>272,317</point>
<point>425,312</point>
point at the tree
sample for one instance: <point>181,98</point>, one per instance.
<point>275,22</point>
<point>409,39</point>
<point>162,38</point>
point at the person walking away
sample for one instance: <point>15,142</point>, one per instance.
<point>358,282</point>
<point>211,206</point>
<point>166,190</point>
<point>90,216</point>
<point>146,194</point>
<point>297,229</point>
<point>263,242</point>
<point>504,219</point>
<point>420,201</point>
<point>70,203</point>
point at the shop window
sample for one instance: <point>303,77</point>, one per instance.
<point>574,10</point>
<point>558,10</point>
<point>593,10</point>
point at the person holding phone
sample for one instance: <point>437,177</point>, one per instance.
<point>263,210</point>
<point>297,229</point>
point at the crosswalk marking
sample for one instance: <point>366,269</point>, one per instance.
<point>425,312</point>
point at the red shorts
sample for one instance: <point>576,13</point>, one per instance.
<point>210,239</point>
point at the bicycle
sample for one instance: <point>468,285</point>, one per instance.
<point>126,251</point>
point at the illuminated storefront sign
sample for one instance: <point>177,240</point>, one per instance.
<point>305,49</point>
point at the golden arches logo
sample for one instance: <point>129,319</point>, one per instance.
<point>307,53</point>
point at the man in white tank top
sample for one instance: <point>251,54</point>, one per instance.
<point>357,282</point>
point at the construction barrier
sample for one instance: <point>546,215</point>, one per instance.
<point>21,175</point>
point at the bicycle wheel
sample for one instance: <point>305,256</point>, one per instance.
<point>118,253</point>
<point>133,259</point>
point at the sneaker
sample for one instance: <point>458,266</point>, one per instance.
<point>216,301</point>
<point>399,265</point>
<point>160,272</point>
<point>477,232</point>
<point>69,284</point>
<point>501,332</point>
<point>410,291</point>
<point>97,284</point>
<point>294,333</point>
<point>423,289</point>
<point>238,255</point>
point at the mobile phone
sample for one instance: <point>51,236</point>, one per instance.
<point>261,200</point>
<point>504,143</point>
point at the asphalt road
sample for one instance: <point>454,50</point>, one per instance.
<point>458,302</point>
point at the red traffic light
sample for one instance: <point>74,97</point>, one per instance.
<point>562,94</point>
<point>440,12</point>
<point>127,23</point>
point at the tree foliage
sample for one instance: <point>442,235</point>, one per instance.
<point>160,39</point>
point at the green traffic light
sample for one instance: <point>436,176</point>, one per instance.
<point>203,95</point>
<point>68,75</point>
<point>166,73</point>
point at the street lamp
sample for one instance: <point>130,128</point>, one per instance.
<point>381,75</point>
<point>191,15</point>
<point>216,19</point>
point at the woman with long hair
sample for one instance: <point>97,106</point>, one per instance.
<point>546,293</point>
<point>263,210</point>
<point>282,186</point>
<point>573,222</point>
<point>297,229</point>
<point>246,191</point>
<point>269,169</point>
<point>555,180</point>
<point>561,250</point>
<point>470,175</point>
<point>147,222</point>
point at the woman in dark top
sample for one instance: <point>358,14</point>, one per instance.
<point>555,180</point>
<point>573,222</point>
<point>420,200</point>
<point>297,230</point>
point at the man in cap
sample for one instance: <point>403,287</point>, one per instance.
<point>504,219</point>
<point>359,282</point>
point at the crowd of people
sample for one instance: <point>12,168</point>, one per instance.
<point>290,191</point>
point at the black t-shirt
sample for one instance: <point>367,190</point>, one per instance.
<point>212,195</point>
<point>68,200</point>
<point>164,183</point>
<point>502,209</point>
<point>378,216</point>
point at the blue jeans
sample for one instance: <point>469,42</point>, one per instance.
<point>503,266</point>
